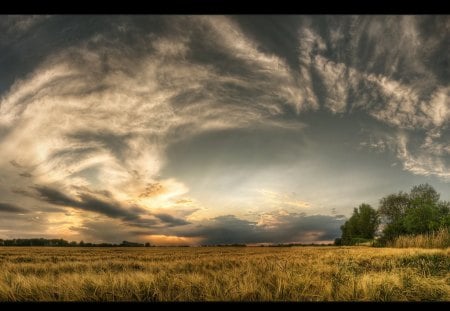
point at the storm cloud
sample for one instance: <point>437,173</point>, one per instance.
<point>275,228</point>
<point>11,208</point>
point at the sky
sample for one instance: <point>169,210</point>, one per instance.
<point>216,129</point>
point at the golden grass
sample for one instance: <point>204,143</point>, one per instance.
<point>224,274</point>
<point>438,239</point>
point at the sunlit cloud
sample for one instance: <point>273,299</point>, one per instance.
<point>283,199</point>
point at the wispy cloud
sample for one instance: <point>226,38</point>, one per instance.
<point>422,162</point>
<point>283,199</point>
<point>14,26</point>
<point>387,93</point>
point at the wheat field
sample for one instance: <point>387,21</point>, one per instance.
<point>437,239</point>
<point>224,274</point>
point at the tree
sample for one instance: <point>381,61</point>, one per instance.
<point>392,211</point>
<point>444,213</point>
<point>368,221</point>
<point>337,241</point>
<point>362,225</point>
<point>422,218</point>
<point>423,213</point>
<point>424,194</point>
<point>418,212</point>
<point>393,207</point>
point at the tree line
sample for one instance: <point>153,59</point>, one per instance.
<point>61,242</point>
<point>417,212</point>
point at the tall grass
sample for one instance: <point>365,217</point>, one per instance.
<point>437,239</point>
<point>224,274</point>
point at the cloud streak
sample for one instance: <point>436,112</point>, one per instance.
<point>11,208</point>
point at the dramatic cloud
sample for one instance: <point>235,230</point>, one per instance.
<point>201,129</point>
<point>172,221</point>
<point>281,228</point>
<point>152,189</point>
<point>102,203</point>
<point>11,208</point>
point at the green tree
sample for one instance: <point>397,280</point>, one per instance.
<point>424,194</point>
<point>392,211</point>
<point>420,211</point>
<point>422,218</point>
<point>362,225</point>
<point>444,213</point>
<point>368,221</point>
<point>393,207</point>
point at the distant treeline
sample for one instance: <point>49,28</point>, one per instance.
<point>224,245</point>
<point>296,244</point>
<point>267,245</point>
<point>64,243</point>
<point>61,242</point>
